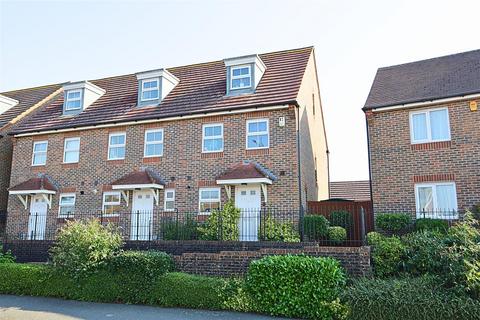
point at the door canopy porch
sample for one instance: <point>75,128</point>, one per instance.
<point>40,185</point>
<point>139,180</point>
<point>244,173</point>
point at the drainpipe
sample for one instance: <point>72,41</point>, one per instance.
<point>299,166</point>
<point>369,160</point>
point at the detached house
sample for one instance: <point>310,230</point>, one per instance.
<point>182,139</point>
<point>424,137</point>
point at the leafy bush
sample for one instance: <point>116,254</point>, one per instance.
<point>83,246</point>
<point>297,286</point>
<point>222,225</point>
<point>387,254</point>
<point>180,230</point>
<point>315,227</point>
<point>279,231</point>
<point>342,219</point>
<point>392,222</point>
<point>438,225</point>
<point>235,296</point>
<point>337,234</point>
<point>421,298</point>
<point>424,253</point>
<point>6,256</point>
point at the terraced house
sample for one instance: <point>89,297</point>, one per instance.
<point>182,139</point>
<point>424,137</point>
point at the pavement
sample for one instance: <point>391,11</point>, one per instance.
<point>39,308</point>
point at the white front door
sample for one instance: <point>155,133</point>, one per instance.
<point>248,200</point>
<point>37,219</point>
<point>142,215</point>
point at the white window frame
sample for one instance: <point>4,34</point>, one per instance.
<point>142,89</point>
<point>434,186</point>
<point>116,203</point>
<point>232,77</point>
<point>212,137</point>
<point>208,200</point>
<point>117,145</point>
<point>37,152</point>
<point>257,133</point>
<point>65,149</point>
<point>429,128</point>
<point>67,100</point>
<point>60,203</point>
<point>154,142</point>
<point>169,200</point>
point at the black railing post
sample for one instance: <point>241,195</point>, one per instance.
<point>35,229</point>
<point>177,233</point>
<point>137,226</point>
<point>300,223</point>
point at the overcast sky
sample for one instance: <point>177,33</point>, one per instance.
<point>50,42</point>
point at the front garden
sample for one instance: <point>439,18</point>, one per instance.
<point>429,271</point>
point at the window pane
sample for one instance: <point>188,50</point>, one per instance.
<point>67,200</point>
<point>40,158</point>
<point>446,198</point>
<point>73,104</point>
<point>74,95</point>
<point>118,139</point>
<point>425,198</point>
<point>209,206</point>
<point>240,71</point>
<point>154,136</point>
<point>40,147</point>
<point>439,124</point>
<point>150,84</point>
<point>169,194</point>
<point>241,82</point>
<point>67,210</point>
<point>213,145</point>
<point>154,149</point>
<point>117,153</point>
<point>72,144</point>
<point>213,131</point>
<point>253,127</point>
<point>419,126</point>
<point>152,94</point>
<point>262,126</point>
<point>71,156</point>
<point>169,205</point>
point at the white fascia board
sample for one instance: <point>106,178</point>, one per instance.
<point>243,181</point>
<point>157,74</point>
<point>254,58</point>
<point>31,191</point>
<point>136,186</point>
<point>84,85</point>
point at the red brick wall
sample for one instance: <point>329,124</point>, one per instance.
<point>396,164</point>
<point>5,166</point>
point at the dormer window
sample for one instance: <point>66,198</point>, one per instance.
<point>241,77</point>
<point>73,100</point>
<point>150,89</point>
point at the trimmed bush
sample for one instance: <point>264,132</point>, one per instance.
<point>424,253</point>
<point>279,231</point>
<point>181,230</point>
<point>392,222</point>
<point>6,256</point>
<point>410,298</point>
<point>438,225</point>
<point>387,254</point>
<point>84,246</point>
<point>337,234</point>
<point>315,227</point>
<point>297,286</point>
<point>342,219</point>
<point>221,224</point>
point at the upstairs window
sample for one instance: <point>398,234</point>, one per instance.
<point>39,157</point>
<point>150,89</point>
<point>73,100</point>
<point>209,199</point>
<point>116,146</point>
<point>153,143</point>
<point>111,203</point>
<point>429,126</point>
<point>66,205</point>
<point>212,138</point>
<point>71,150</point>
<point>436,200</point>
<point>257,134</point>
<point>240,77</point>
<point>169,204</point>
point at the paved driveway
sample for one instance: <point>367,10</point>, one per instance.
<point>37,308</point>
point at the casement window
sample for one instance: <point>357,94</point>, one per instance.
<point>209,199</point>
<point>257,134</point>
<point>39,157</point>
<point>437,200</point>
<point>150,89</point>
<point>240,77</point>
<point>169,203</point>
<point>71,150</point>
<point>111,203</point>
<point>429,125</point>
<point>212,140</point>
<point>73,100</point>
<point>66,204</point>
<point>116,146</point>
<point>153,143</point>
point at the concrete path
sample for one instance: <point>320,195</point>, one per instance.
<point>38,308</point>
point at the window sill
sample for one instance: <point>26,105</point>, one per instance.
<point>209,155</point>
<point>252,152</point>
<point>118,161</point>
<point>151,159</point>
<point>70,165</point>
<point>431,145</point>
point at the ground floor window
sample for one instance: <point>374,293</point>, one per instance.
<point>169,204</point>
<point>209,199</point>
<point>66,204</point>
<point>111,203</point>
<point>436,198</point>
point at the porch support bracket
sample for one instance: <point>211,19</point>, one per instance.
<point>228,190</point>
<point>23,200</point>
<point>264,190</point>
<point>48,199</point>
<point>125,195</point>
<point>155,193</point>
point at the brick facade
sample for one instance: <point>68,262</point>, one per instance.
<point>396,164</point>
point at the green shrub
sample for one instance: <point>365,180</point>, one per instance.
<point>409,298</point>
<point>221,225</point>
<point>235,296</point>
<point>424,253</point>
<point>315,227</point>
<point>6,256</point>
<point>180,230</point>
<point>387,254</point>
<point>297,286</point>
<point>393,222</point>
<point>279,231</point>
<point>83,246</point>
<point>337,234</point>
<point>438,225</point>
<point>342,219</point>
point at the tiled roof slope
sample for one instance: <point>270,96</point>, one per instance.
<point>442,77</point>
<point>27,98</point>
<point>246,170</point>
<point>144,176</point>
<point>350,190</point>
<point>201,89</point>
<point>40,183</point>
